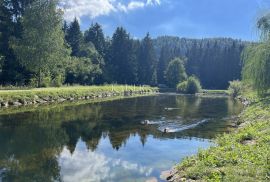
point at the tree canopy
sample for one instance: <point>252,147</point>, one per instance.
<point>257,59</point>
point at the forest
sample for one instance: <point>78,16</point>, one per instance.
<point>39,49</point>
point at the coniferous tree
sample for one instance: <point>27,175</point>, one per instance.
<point>74,37</point>
<point>122,65</point>
<point>147,69</point>
<point>95,35</point>
<point>165,56</point>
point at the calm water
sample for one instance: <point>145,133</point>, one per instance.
<point>109,141</point>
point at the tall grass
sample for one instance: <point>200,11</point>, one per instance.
<point>68,91</point>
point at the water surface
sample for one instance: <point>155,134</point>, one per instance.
<point>120,140</point>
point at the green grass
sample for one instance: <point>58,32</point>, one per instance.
<point>69,91</point>
<point>243,155</point>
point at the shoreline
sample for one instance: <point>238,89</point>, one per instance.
<point>36,97</point>
<point>252,130</point>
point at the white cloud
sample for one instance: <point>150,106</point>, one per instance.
<point>87,166</point>
<point>91,8</point>
<point>95,8</point>
<point>153,2</point>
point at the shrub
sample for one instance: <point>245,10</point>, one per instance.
<point>235,88</point>
<point>46,81</point>
<point>182,87</point>
<point>191,86</point>
<point>57,81</point>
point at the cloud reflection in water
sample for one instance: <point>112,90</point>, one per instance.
<point>84,165</point>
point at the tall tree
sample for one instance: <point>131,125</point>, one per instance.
<point>74,37</point>
<point>122,63</point>
<point>165,56</point>
<point>175,72</point>
<point>95,35</point>
<point>147,72</point>
<point>41,49</point>
<point>257,59</point>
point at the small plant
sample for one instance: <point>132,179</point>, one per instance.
<point>235,88</point>
<point>58,81</point>
<point>46,82</point>
<point>182,87</point>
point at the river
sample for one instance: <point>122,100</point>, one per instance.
<point>120,140</point>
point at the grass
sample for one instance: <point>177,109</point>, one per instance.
<point>68,91</point>
<point>243,155</point>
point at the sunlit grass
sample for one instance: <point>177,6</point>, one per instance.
<point>243,155</point>
<point>68,91</point>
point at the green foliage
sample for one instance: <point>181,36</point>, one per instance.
<point>215,61</point>
<point>256,66</point>
<point>235,88</point>
<point>190,86</point>
<point>82,71</point>
<point>41,49</point>
<point>74,37</point>
<point>239,156</point>
<point>46,81</point>
<point>257,59</point>
<point>182,87</point>
<point>95,35</point>
<point>147,62</point>
<point>58,81</point>
<point>122,65</point>
<point>175,72</point>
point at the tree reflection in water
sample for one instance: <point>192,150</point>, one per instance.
<point>43,145</point>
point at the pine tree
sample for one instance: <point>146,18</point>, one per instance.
<point>74,37</point>
<point>122,63</point>
<point>95,35</point>
<point>147,68</point>
<point>41,49</point>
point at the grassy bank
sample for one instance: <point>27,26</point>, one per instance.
<point>243,155</point>
<point>48,95</point>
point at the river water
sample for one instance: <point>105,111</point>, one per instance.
<point>120,140</point>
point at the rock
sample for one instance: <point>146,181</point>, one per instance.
<point>70,99</point>
<point>15,103</point>
<point>165,174</point>
<point>40,101</point>
<point>23,102</point>
<point>153,179</point>
<point>61,100</point>
<point>4,104</point>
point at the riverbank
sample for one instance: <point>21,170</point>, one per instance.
<point>243,155</point>
<point>38,96</point>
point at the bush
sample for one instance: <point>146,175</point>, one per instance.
<point>46,81</point>
<point>191,86</point>
<point>235,88</point>
<point>57,81</point>
<point>182,87</point>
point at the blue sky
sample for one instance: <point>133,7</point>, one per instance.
<point>183,18</point>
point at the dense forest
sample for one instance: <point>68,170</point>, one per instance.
<point>38,48</point>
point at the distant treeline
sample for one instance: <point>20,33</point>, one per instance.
<point>215,61</point>
<point>38,48</point>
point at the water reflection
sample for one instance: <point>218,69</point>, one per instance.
<point>107,141</point>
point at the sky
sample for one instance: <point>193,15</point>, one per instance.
<point>183,18</point>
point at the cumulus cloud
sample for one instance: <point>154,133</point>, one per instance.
<point>95,8</point>
<point>84,165</point>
